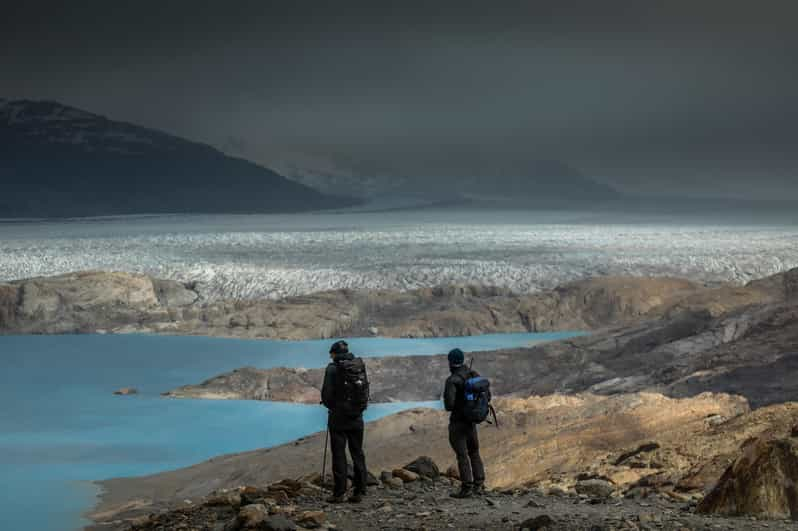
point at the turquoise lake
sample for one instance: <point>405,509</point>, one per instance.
<point>61,427</point>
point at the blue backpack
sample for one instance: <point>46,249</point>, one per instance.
<point>477,400</point>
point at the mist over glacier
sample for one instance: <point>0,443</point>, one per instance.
<point>239,257</point>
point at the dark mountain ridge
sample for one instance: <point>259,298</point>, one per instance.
<point>58,161</point>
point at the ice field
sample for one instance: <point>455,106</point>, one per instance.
<point>278,255</point>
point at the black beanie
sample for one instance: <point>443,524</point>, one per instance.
<point>339,347</point>
<point>456,357</point>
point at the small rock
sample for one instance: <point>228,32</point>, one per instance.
<point>649,518</point>
<point>278,523</point>
<point>385,476</point>
<point>253,515</point>
<point>539,522</point>
<point>232,499</point>
<point>141,521</point>
<point>452,472</point>
<point>405,475</point>
<point>126,391</point>
<point>715,419</point>
<point>311,519</point>
<point>597,488</point>
<point>373,330</point>
<point>395,483</point>
<point>533,503</point>
<point>425,467</point>
<point>250,495</point>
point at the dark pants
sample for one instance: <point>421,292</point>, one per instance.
<point>465,443</point>
<point>338,442</point>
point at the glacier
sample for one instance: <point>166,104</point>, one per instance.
<point>273,256</point>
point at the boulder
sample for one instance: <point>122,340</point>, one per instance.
<point>395,483</point>
<point>290,487</point>
<point>424,466</point>
<point>233,499</point>
<point>250,495</point>
<point>452,472</point>
<point>173,294</point>
<point>597,488</point>
<point>542,521</point>
<point>278,523</point>
<point>761,482</point>
<point>643,448</point>
<point>252,516</point>
<point>311,519</point>
<point>405,475</point>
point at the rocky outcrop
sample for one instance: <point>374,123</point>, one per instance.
<point>762,482</point>
<point>90,301</point>
<point>93,301</point>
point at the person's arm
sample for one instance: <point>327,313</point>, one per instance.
<point>328,387</point>
<point>450,393</point>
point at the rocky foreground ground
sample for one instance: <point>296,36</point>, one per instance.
<point>640,443</point>
<point>416,497</point>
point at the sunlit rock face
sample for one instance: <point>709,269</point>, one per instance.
<point>761,482</point>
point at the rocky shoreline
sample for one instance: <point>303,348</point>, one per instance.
<point>692,347</point>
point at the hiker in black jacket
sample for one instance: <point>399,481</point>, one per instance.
<point>462,432</point>
<point>345,422</point>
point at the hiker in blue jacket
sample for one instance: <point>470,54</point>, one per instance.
<point>462,432</point>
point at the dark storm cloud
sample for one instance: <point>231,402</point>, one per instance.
<point>651,96</point>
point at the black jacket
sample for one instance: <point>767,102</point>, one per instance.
<point>338,419</point>
<point>454,392</point>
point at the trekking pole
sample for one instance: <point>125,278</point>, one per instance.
<point>324,461</point>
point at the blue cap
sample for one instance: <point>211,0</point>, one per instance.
<point>456,357</point>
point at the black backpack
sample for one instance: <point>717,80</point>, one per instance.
<point>352,386</point>
<point>476,406</point>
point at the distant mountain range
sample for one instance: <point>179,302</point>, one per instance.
<point>58,161</point>
<point>535,179</point>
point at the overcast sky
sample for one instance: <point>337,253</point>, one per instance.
<point>670,97</point>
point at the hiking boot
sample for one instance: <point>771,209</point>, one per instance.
<point>465,492</point>
<point>336,499</point>
<point>479,489</point>
<point>356,497</point>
